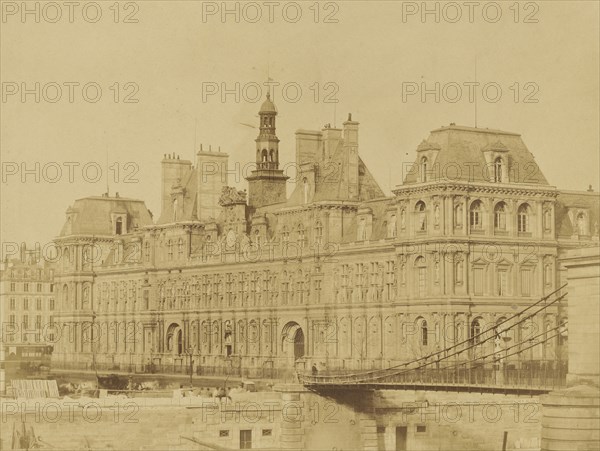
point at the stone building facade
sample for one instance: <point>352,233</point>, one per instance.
<point>336,274</point>
<point>28,307</point>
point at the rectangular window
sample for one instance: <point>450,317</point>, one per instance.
<point>38,287</point>
<point>500,220</point>
<point>526,282</point>
<point>478,281</point>
<point>523,225</point>
<point>502,283</point>
<point>13,286</point>
<point>475,220</point>
<point>51,288</point>
<point>51,304</point>
<point>25,286</point>
<point>25,304</point>
<point>422,282</point>
<point>25,321</point>
<point>12,303</point>
<point>224,433</point>
<point>38,304</point>
<point>421,428</point>
<point>267,432</point>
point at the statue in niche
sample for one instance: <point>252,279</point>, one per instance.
<point>392,227</point>
<point>459,215</point>
<point>437,271</point>
<point>436,215</point>
<point>403,218</point>
<point>547,219</point>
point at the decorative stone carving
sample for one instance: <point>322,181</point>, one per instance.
<point>231,196</point>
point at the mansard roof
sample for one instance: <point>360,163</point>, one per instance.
<point>329,184</point>
<point>576,200</point>
<point>467,148</point>
<point>93,215</point>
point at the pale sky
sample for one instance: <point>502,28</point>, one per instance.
<point>367,56</point>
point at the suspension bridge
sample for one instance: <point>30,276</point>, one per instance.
<point>486,362</point>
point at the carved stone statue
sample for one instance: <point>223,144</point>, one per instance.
<point>231,196</point>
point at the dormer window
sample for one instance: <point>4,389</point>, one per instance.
<point>498,170</point>
<point>581,228</point>
<point>119,226</point>
<point>305,187</point>
<point>424,169</point>
<point>362,229</point>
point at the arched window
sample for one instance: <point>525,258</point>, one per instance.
<point>476,215</point>
<point>524,213</point>
<point>119,226</point>
<point>498,170</point>
<point>420,209</point>
<point>424,169</point>
<point>424,333</point>
<point>421,267</point>
<point>500,216</point>
<point>272,155</point>
<point>264,155</point>
<point>475,331</point>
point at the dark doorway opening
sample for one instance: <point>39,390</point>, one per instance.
<point>245,439</point>
<point>401,432</point>
<point>298,344</point>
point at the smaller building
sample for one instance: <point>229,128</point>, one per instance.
<point>26,311</point>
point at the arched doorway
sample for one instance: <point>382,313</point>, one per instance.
<point>174,339</point>
<point>292,340</point>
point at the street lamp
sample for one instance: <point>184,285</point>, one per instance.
<point>190,352</point>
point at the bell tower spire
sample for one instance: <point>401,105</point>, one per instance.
<point>267,143</point>
<point>267,184</point>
